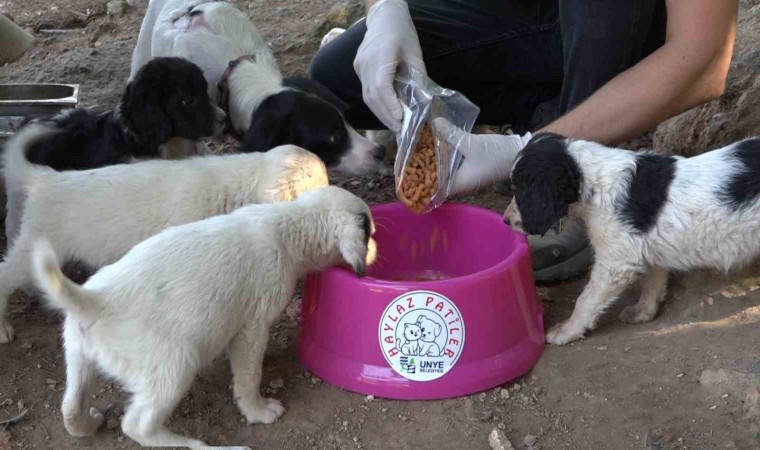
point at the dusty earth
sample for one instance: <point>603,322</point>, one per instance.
<point>623,387</point>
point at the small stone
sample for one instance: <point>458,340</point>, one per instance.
<point>713,407</point>
<point>356,439</point>
<point>498,440</point>
<point>679,375</point>
<point>345,424</point>
<point>26,345</point>
<point>115,8</point>
<point>315,380</point>
<point>120,439</point>
<point>482,396</point>
<point>710,300</point>
<point>529,440</point>
<point>277,383</point>
<point>725,395</point>
<point>501,426</point>
<point>51,381</point>
<point>369,398</point>
<point>351,410</point>
<point>384,410</point>
<point>504,394</point>
<point>516,387</point>
<point>602,348</point>
<point>733,291</point>
<point>20,405</point>
<point>626,349</point>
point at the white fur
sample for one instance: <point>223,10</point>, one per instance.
<point>178,300</point>
<point>221,34</point>
<point>695,229</point>
<point>96,216</point>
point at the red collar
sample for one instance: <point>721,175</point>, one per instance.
<point>224,94</point>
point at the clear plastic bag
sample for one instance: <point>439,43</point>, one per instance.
<point>424,174</point>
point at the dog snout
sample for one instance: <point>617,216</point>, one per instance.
<point>378,152</point>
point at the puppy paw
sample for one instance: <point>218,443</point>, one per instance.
<point>6,331</point>
<point>564,333</point>
<point>268,411</point>
<point>84,425</point>
<point>635,314</point>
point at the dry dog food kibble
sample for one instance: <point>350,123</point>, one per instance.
<point>420,180</point>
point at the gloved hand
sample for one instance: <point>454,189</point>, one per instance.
<point>488,158</point>
<point>391,42</point>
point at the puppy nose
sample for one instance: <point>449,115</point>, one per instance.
<point>378,152</point>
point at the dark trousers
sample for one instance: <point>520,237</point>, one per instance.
<point>510,56</point>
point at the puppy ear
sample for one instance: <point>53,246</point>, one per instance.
<point>406,325</point>
<point>142,111</point>
<point>437,329</point>
<point>354,246</point>
<point>548,181</point>
<point>419,320</point>
<point>268,130</point>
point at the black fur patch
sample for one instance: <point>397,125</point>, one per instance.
<point>547,181</point>
<point>168,97</point>
<point>648,191</point>
<point>744,186</point>
<point>366,225</point>
<point>309,119</point>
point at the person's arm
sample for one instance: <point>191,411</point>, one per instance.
<point>688,70</point>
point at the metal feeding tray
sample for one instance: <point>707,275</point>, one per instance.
<point>19,100</point>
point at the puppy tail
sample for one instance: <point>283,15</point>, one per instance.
<point>16,168</point>
<point>62,293</point>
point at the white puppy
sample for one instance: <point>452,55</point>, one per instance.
<point>96,216</point>
<point>179,299</point>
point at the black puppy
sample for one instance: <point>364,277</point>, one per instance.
<point>168,98</point>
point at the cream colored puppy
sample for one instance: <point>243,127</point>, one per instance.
<point>96,216</point>
<point>181,298</point>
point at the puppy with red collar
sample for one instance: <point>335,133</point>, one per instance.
<point>647,214</point>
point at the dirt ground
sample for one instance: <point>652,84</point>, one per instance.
<point>625,386</point>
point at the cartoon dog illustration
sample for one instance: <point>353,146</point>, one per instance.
<point>430,330</point>
<point>410,346</point>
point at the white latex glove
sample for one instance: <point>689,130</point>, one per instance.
<point>488,158</point>
<point>390,42</point>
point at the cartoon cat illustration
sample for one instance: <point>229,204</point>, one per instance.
<point>429,330</point>
<point>412,334</point>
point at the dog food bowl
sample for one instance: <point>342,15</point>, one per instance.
<point>32,100</point>
<point>449,309</point>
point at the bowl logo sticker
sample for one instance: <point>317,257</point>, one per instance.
<point>421,335</point>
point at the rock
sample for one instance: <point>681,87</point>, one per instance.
<point>342,15</point>
<point>735,115</point>
<point>529,440</point>
<point>278,383</point>
<point>504,394</point>
<point>16,40</point>
<point>115,8</point>
<point>744,385</point>
<point>498,440</point>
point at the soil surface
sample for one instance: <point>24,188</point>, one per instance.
<point>625,386</point>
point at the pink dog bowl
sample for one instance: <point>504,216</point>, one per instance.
<point>449,308</point>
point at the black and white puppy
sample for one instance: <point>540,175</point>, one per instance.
<point>167,98</point>
<point>265,110</point>
<point>646,214</point>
